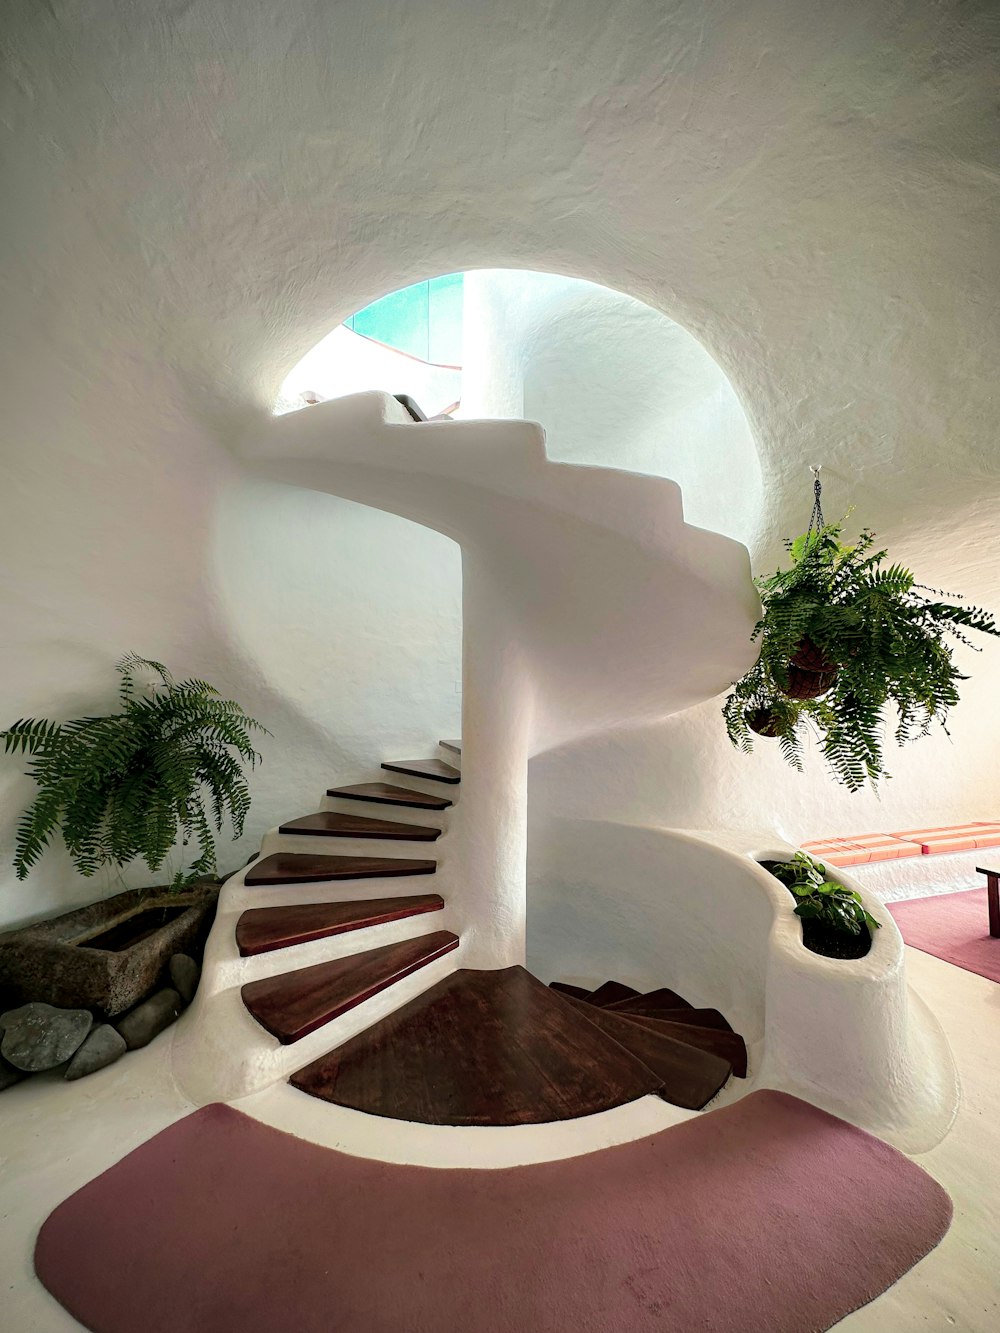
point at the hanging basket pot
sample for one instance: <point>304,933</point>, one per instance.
<point>803,684</point>
<point>811,658</point>
<point>764,721</point>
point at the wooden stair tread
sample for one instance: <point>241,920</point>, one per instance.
<point>662,999</point>
<point>304,868</point>
<point>689,1017</point>
<point>292,1005</point>
<point>330,824</point>
<point>564,988</point>
<point>454,746</point>
<point>384,793</point>
<point>492,1047</point>
<point>610,993</point>
<point>435,769</point>
<point>727,1045</point>
<point>690,1077</point>
<point>262,929</point>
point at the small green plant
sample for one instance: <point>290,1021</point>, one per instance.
<point>821,899</point>
<point>843,634</point>
<point>169,765</point>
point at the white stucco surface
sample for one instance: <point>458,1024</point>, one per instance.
<point>346,362</point>
<point>200,193</point>
<point>615,384</point>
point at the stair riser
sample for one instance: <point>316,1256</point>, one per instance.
<point>296,1004</point>
<point>450,791</point>
<point>224,965</point>
<point>264,874</point>
<point>282,895</point>
<point>449,757</point>
<point>312,845</point>
<point>222,1053</point>
<point>278,961</point>
<point>379,810</point>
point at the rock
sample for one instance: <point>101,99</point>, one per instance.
<point>184,973</point>
<point>103,1047</point>
<point>9,1075</point>
<point>38,1036</point>
<point>147,1020</point>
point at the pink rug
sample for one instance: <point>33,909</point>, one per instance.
<point>952,926</point>
<point>766,1215</point>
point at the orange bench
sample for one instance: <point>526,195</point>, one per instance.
<point>864,848</point>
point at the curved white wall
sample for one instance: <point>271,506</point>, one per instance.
<point>346,362</point>
<point>693,912</point>
<point>198,194</point>
<point>615,384</point>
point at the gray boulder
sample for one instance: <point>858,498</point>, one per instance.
<point>103,1047</point>
<point>184,973</point>
<point>39,1036</point>
<point>147,1020</point>
<point>9,1075</point>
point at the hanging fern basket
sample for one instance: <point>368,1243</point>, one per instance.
<point>844,635</point>
<point>764,722</point>
<point>804,684</point>
<point>811,673</point>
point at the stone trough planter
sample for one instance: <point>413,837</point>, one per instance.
<point>108,956</point>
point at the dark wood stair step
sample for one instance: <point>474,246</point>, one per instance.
<point>493,1047</point>
<point>292,1005</point>
<point>691,1077</point>
<point>329,824</point>
<point>262,929</point>
<point>655,999</point>
<point>435,769</point>
<point>610,993</point>
<point>302,868</point>
<point>454,746</point>
<point>702,1018</point>
<point>727,1045</point>
<point>564,988</point>
<point>384,793</point>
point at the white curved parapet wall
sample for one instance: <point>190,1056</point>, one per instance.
<point>655,906</point>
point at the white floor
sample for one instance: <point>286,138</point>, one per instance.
<point>55,1136</point>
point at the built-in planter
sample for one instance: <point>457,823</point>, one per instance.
<point>107,956</point>
<point>823,939</point>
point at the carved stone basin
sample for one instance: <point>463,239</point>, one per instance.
<point>109,955</point>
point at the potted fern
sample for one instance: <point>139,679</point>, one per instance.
<point>843,634</point>
<point>168,767</point>
<point>835,922</point>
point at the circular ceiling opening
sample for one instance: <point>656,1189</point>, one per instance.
<point>614,382</point>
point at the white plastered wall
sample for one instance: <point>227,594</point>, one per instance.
<point>197,194</point>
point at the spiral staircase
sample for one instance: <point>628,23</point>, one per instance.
<point>588,602</point>
<point>477,1046</point>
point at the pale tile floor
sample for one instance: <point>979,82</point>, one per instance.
<point>56,1136</point>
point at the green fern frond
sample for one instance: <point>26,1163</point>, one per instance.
<point>167,766</point>
<point>888,641</point>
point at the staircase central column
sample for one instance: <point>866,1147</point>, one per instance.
<point>497,715</point>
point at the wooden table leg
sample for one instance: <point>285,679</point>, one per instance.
<point>993,900</point>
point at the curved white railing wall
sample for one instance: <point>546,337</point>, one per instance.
<point>696,912</point>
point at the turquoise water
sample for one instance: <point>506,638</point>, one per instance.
<point>424,320</point>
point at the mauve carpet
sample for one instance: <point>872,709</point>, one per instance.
<point>952,926</point>
<point>768,1216</point>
